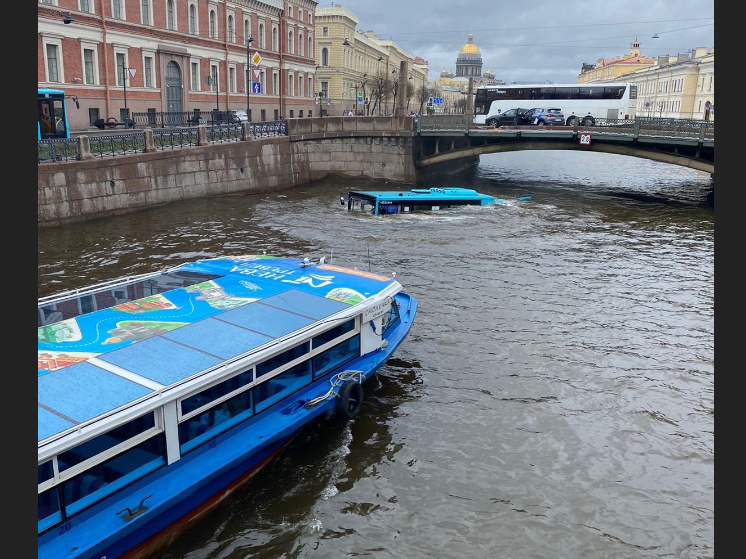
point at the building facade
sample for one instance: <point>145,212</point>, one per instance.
<point>357,71</point>
<point>118,57</point>
<point>681,86</point>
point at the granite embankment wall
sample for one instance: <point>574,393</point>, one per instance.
<point>371,148</point>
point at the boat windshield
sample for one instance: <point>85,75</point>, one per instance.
<point>78,304</point>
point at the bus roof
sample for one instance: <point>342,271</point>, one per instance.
<point>44,90</point>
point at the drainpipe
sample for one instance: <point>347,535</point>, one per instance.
<point>106,59</point>
<point>225,42</point>
<point>282,39</point>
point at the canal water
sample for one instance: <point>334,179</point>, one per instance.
<point>555,397</point>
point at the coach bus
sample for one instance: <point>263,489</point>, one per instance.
<point>581,103</point>
<point>52,114</point>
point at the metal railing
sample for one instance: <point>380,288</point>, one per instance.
<point>133,141</point>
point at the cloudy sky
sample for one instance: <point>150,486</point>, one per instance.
<point>535,40</point>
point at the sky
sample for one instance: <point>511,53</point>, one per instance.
<point>535,40</point>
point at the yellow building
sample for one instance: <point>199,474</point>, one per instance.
<point>681,86</point>
<point>610,69</point>
<point>356,70</point>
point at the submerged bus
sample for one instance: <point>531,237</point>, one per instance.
<point>580,103</point>
<point>52,114</point>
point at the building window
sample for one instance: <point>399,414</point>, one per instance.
<point>85,6</point>
<point>194,85</point>
<point>47,2</point>
<point>324,90</point>
<point>291,83</point>
<point>121,68</point>
<point>274,39</point>
<point>246,30</point>
<point>213,25</point>
<point>300,44</point>
<point>325,56</point>
<point>232,80</point>
<point>148,71</point>
<point>170,15</point>
<point>310,46</point>
<point>214,74</point>
<point>53,66</point>
<point>310,88</point>
<point>145,12</point>
<point>324,31</point>
<point>275,89</point>
<point>261,35</point>
<point>117,9</point>
<point>89,65</point>
<point>290,42</point>
<point>300,86</point>
<point>231,30</point>
<point>192,19</point>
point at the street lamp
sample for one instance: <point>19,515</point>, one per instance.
<point>248,77</point>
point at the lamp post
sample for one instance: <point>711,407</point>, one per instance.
<point>248,77</point>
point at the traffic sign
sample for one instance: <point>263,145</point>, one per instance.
<point>256,87</point>
<point>256,59</point>
<point>437,100</point>
<point>257,72</point>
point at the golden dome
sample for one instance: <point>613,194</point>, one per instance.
<point>470,47</point>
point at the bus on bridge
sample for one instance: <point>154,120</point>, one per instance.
<point>580,103</point>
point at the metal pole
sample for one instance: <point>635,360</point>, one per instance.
<point>248,77</point>
<point>124,81</point>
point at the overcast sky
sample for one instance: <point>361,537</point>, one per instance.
<point>535,40</point>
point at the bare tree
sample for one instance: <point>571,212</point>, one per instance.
<point>409,92</point>
<point>421,95</point>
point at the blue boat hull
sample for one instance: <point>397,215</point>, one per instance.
<point>177,495</point>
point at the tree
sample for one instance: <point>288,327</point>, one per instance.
<point>409,92</point>
<point>421,95</point>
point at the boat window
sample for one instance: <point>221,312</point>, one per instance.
<point>335,357</point>
<point>334,333</point>
<point>104,442</point>
<point>46,471</point>
<point>109,476</point>
<point>49,509</point>
<point>219,390</point>
<point>282,385</point>
<point>109,296</point>
<point>202,427</point>
<point>281,359</point>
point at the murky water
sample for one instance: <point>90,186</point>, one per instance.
<point>555,397</point>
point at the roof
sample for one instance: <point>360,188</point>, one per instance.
<point>94,363</point>
<point>424,194</point>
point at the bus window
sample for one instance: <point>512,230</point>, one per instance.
<point>52,114</point>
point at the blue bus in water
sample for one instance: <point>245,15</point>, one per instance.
<point>53,114</point>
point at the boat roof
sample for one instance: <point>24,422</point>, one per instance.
<point>423,194</point>
<point>183,322</point>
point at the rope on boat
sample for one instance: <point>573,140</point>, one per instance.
<point>336,381</point>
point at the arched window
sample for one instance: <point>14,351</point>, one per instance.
<point>325,56</point>
<point>274,39</point>
<point>231,30</point>
<point>192,19</point>
<point>290,42</point>
<point>310,46</point>
<point>213,25</point>
<point>246,29</point>
<point>300,44</point>
<point>170,15</point>
<point>261,36</point>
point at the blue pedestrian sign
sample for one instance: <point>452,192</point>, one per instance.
<point>256,87</point>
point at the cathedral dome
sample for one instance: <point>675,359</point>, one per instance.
<point>470,47</point>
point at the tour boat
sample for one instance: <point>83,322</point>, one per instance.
<point>160,394</point>
<point>416,199</point>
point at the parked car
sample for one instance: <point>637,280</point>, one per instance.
<point>511,116</point>
<point>543,117</point>
<point>239,115</point>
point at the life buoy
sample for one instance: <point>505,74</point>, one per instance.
<point>349,399</point>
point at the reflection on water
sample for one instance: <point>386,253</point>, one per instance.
<point>555,397</point>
